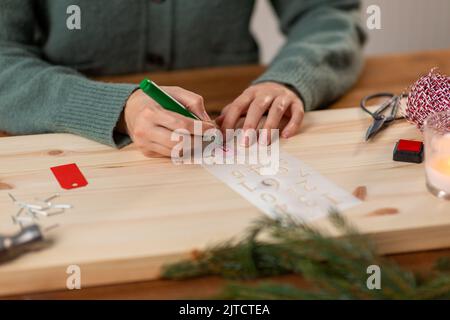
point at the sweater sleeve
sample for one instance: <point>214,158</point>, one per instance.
<point>38,97</point>
<point>323,54</point>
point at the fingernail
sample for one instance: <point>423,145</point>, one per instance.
<point>285,135</point>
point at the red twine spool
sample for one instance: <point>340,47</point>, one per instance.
<point>429,95</point>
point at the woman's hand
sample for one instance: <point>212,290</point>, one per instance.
<point>277,100</point>
<point>150,126</point>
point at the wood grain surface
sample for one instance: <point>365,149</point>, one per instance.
<point>138,213</point>
<point>102,203</point>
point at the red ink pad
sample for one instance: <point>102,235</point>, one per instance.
<point>409,151</point>
<point>409,145</point>
<point>69,176</point>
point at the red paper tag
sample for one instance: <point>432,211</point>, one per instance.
<point>69,176</point>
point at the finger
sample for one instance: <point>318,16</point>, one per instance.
<point>234,111</point>
<point>143,138</point>
<point>153,150</point>
<point>240,123</point>
<point>226,108</point>
<point>293,126</point>
<point>276,112</point>
<point>255,112</point>
<point>192,101</point>
<point>166,138</point>
<point>163,137</point>
<point>219,120</point>
<point>174,121</point>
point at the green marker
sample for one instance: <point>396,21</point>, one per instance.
<point>164,99</point>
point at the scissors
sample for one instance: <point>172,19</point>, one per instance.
<point>380,119</point>
<point>27,239</point>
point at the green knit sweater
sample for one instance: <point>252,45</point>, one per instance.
<point>44,64</point>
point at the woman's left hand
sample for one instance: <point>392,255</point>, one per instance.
<point>275,99</point>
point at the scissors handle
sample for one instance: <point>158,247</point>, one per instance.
<point>20,242</point>
<point>380,120</point>
<point>383,107</point>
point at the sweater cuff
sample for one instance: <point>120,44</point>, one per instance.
<point>297,76</point>
<point>93,109</point>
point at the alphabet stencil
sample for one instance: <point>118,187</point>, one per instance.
<point>297,189</point>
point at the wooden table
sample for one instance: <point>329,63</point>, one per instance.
<point>219,86</point>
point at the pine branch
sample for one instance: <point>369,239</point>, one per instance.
<point>337,267</point>
<point>269,291</point>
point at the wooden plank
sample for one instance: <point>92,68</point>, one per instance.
<point>219,86</point>
<point>394,73</point>
<point>137,213</point>
<point>207,287</point>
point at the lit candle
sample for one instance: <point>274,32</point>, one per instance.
<point>438,173</point>
<point>437,154</point>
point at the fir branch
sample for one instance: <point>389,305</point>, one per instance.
<point>443,264</point>
<point>269,291</point>
<point>336,267</point>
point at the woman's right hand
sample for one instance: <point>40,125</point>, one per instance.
<point>150,126</point>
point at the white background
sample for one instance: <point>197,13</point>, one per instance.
<point>407,26</point>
